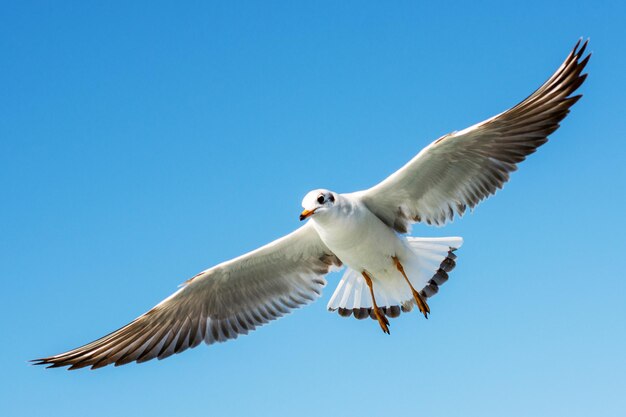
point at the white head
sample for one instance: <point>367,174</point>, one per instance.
<point>317,202</point>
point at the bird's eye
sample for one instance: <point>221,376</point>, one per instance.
<point>332,198</point>
<point>320,199</point>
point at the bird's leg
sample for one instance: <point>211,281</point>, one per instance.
<point>421,302</point>
<point>380,316</point>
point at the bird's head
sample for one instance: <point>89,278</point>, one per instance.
<point>317,202</point>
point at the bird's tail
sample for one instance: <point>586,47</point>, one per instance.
<point>427,270</point>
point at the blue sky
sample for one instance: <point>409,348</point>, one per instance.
<point>140,144</point>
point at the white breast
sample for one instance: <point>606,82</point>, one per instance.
<point>359,238</point>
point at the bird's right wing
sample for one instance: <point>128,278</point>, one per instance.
<point>462,168</point>
<point>218,304</point>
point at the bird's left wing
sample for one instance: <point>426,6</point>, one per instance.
<point>218,304</point>
<point>462,168</point>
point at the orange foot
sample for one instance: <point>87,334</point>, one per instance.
<point>419,300</point>
<point>382,319</point>
<point>380,316</point>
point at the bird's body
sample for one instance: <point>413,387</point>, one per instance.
<point>386,272</point>
<point>365,244</point>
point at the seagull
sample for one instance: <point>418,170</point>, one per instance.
<point>387,272</point>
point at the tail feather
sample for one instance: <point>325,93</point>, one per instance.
<point>434,259</point>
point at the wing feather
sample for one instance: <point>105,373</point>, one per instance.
<point>218,304</point>
<point>462,168</point>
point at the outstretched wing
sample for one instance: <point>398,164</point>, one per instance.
<point>462,168</point>
<point>218,304</point>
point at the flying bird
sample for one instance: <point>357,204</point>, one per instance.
<point>387,272</point>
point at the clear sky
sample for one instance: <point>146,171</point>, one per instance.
<point>141,143</point>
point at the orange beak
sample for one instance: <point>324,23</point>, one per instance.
<point>306,214</point>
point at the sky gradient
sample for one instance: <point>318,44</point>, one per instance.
<point>143,143</point>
